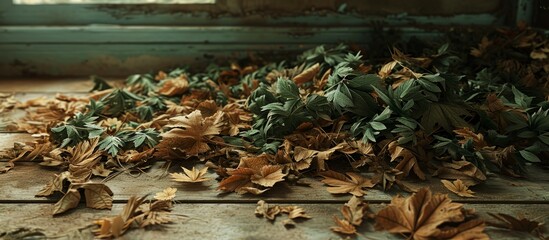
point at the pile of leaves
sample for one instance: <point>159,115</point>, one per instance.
<point>456,109</point>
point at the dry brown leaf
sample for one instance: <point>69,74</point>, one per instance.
<point>97,195</point>
<point>69,201</point>
<point>154,213</point>
<point>340,184</point>
<point>117,225</point>
<point>167,194</point>
<point>408,160</point>
<point>100,170</point>
<point>307,75</point>
<point>240,182</point>
<point>191,176</point>
<point>55,185</point>
<point>174,86</point>
<point>467,172</point>
<point>264,210</point>
<point>294,212</point>
<point>343,226</point>
<point>192,139</point>
<point>458,187</point>
<point>421,215</point>
<point>467,134</point>
<point>82,159</point>
<point>268,176</point>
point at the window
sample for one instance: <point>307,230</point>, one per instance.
<point>30,2</point>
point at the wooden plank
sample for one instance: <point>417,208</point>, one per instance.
<point>227,221</point>
<point>17,186</point>
<point>31,88</point>
<point>264,13</point>
<point>125,59</point>
<point>190,34</point>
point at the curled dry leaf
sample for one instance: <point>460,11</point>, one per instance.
<point>167,194</point>
<point>408,160</point>
<point>98,196</point>
<point>464,170</point>
<point>340,184</point>
<point>270,212</point>
<point>425,216</point>
<point>117,225</point>
<point>174,86</point>
<point>458,187</point>
<point>191,176</point>
<point>354,211</point>
<point>307,75</point>
<point>264,210</point>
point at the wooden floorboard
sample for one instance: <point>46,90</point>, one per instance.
<point>55,85</point>
<point>18,186</point>
<point>227,221</point>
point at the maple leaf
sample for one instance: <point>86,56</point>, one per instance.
<point>268,175</point>
<point>447,116</point>
<point>174,86</point>
<point>458,187</point>
<point>240,182</point>
<point>467,134</point>
<point>343,226</point>
<point>339,183</point>
<point>192,139</point>
<point>191,176</point>
<point>167,194</point>
<point>421,215</point>
<point>408,162</point>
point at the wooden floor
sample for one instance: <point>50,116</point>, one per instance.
<point>207,214</point>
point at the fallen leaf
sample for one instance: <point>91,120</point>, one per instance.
<point>167,194</point>
<point>100,170</point>
<point>268,176</point>
<point>408,160</point>
<point>458,187</point>
<point>307,75</point>
<point>339,183</point>
<point>264,210</point>
<point>69,201</point>
<point>55,185</point>
<point>343,226</point>
<point>421,215</point>
<point>174,86</point>
<point>191,176</point>
<point>191,132</point>
<point>467,172</point>
<point>98,195</point>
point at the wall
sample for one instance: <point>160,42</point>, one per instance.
<point>78,40</point>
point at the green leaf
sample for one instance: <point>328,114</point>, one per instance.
<point>287,88</point>
<point>111,144</point>
<point>529,156</point>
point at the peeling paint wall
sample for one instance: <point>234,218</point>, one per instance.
<point>114,39</point>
